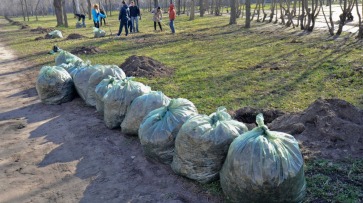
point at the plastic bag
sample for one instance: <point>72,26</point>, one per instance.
<point>119,98</point>
<point>98,32</point>
<point>160,127</point>
<point>202,143</point>
<point>139,108</point>
<point>54,85</point>
<point>56,34</point>
<point>101,89</point>
<point>102,73</point>
<point>81,77</point>
<point>264,166</point>
<point>79,25</point>
<point>66,57</point>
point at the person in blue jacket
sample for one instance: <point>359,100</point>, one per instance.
<point>96,15</point>
<point>124,17</point>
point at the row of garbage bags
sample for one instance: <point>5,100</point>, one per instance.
<point>253,166</point>
<point>96,31</point>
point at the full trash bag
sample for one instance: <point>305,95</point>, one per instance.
<point>119,98</point>
<point>101,89</point>
<point>79,25</point>
<point>66,57</point>
<point>202,143</point>
<point>98,32</point>
<point>56,34</point>
<point>81,77</point>
<point>139,108</point>
<point>160,127</point>
<point>54,85</point>
<point>263,166</point>
<point>102,73</point>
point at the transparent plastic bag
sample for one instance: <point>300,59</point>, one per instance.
<point>66,57</point>
<point>79,25</point>
<point>98,32</point>
<point>263,166</point>
<point>102,73</point>
<point>139,108</point>
<point>202,143</point>
<point>101,89</point>
<point>160,127</point>
<point>54,85</point>
<point>56,34</point>
<point>119,98</point>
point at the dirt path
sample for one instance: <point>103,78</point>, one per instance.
<point>65,153</point>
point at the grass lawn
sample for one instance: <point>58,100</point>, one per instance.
<point>266,66</point>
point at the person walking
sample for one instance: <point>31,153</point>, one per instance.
<point>124,16</point>
<point>96,15</point>
<point>172,16</point>
<point>135,15</point>
<point>104,19</point>
<point>158,15</point>
<point>81,16</point>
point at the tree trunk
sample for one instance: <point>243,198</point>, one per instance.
<point>248,14</point>
<point>26,8</point>
<point>233,18</point>
<point>192,10</point>
<point>201,8</point>
<point>22,7</point>
<point>110,6</point>
<point>58,11</point>
<point>36,13</point>
<point>42,8</point>
<point>89,6</point>
<point>64,13</point>
<point>179,2</point>
<point>31,7</point>
<point>156,4</point>
<point>184,2</point>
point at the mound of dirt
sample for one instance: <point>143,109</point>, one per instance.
<point>142,66</point>
<point>24,26</point>
<point>39,38</point>
<point>75,36</point>
<point>328,128</point>
<point>17,23</point>
<point>87,50</point>
<point>42,30</point>
<point>247,115</point>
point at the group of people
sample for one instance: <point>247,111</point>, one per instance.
<point>128,17</point>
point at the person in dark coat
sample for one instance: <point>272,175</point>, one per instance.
<point>124,17</point>
<point>102,18</point>
<point>135,15</point>
<point>81,16</point>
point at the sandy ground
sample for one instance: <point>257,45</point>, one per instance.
<point>64,153</point>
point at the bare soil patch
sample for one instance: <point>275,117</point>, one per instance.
<point>142,66</point>
<point>328,128</point>
<point>17,23</point>
<point>42,30</point>
<point>75,36</point>
<point>24,26</point>
<point>87,50</point>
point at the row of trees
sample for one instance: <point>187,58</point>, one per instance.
<point>297,13</point>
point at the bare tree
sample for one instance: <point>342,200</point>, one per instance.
<point>156,4</point>
<point>248,14</point>
<point>179,2</point>
<point>201,8</point>
<point>89,6</point>
<point>360,31</point>
<point>347,13</point>
<point>64,13</point>
<point>26,8</point>
<point>22,7</point>
<point>36,13</point>
<point>331,27</point>
<point>192,12</point>
<point>58,11</point>
<point>233,17</point>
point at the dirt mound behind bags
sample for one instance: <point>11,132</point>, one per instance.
<point>47,36</point>
<point>75,36</point>
<point>328,128</point>
<point>248,115</point>
<point>87,50</point>
<point>17,23</point>
<point>142,66</point>
<point>42,30</point>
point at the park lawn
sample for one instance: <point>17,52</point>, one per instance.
<point>216,64</point>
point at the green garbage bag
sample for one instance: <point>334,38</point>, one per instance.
<point>56,34</point>
<point>160,127</point>
<point>54,85</point>
<point>119,98</point>
<point>101,89</point>
<point>98,32</point>
<point>263,166</point>
<point>202,143</point>
<point>79,25</point>
<point>81,77</point>
<point>102,73</point>
<point>139,108</point>
<point>66,57</point>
